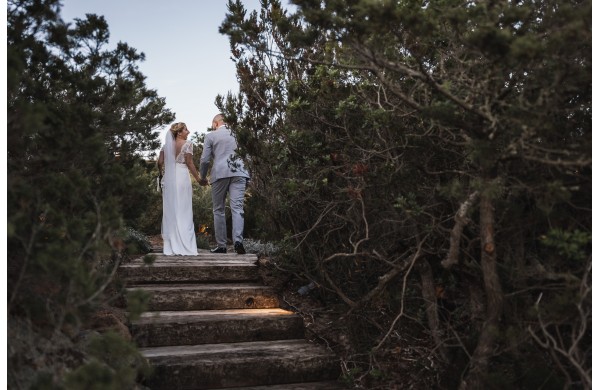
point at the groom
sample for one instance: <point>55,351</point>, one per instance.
<point>227,175</point>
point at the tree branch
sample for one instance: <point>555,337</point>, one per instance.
<point>461,220</point>
<point>384,280</point>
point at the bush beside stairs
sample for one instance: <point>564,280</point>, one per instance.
<point>212,325</point>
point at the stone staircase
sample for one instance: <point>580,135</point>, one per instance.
<point>212,325</point>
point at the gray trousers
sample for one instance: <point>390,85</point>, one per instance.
<point>236,187</point>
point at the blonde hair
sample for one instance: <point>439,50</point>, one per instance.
<point>177,128</point>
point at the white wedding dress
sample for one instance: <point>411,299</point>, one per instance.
<point>178,233</point>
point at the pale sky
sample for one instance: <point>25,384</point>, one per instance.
<point>187,60</point>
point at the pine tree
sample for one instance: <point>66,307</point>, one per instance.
<point>449,138</point>
<point>79,118</point>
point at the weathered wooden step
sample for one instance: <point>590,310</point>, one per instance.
<point>206,267</point>
<point>239,364</point>
<point>156,329</point>
<point>221,296</point>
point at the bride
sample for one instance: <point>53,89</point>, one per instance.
<point>178,233</point>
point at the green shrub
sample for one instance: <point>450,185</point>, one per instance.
<point>137,303</point>
<point>202,241</point>
<point>202,208</point>
<point>137,242</point>
<point>115,364</point>
<point>150,220</point>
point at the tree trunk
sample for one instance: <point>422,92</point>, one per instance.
<point>494,300</point>
<point>431,306</point>
<point>476,301</point>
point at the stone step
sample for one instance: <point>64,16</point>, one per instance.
<point>239,364</point>
<point>174,297</point>
<point>329,385</point>
<point>164,328</point>
<point>206,267</point>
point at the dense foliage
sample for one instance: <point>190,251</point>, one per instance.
<point>79,117</point>
<point>430,162</point>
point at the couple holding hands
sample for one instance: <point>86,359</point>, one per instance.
<point>227,176</point>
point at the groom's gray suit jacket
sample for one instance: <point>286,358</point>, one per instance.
<point>220,146</point>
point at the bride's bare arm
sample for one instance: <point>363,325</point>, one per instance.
<point>189,161</point>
